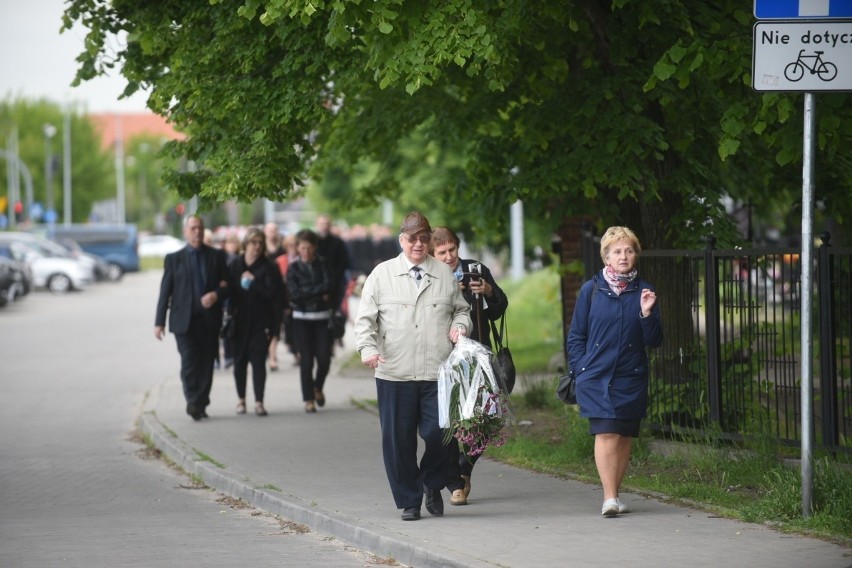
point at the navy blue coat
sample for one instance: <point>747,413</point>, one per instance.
<point>607,345</point>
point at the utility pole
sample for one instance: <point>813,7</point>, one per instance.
<point>66,168</point>
<point>49,132</point>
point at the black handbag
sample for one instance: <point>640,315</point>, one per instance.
<point>337,324</point>
<point>501,360</point>
<point>567,389</point>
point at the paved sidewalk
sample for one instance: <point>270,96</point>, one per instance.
<point>325,470</point>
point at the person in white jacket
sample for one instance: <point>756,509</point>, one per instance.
<point>410,314</point>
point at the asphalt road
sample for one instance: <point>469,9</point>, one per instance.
<point>77,488</point>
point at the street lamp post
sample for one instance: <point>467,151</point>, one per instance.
<point>49,132</point>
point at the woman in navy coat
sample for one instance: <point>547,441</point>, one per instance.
<point>615,319</point>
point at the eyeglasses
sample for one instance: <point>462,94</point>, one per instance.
<point>424,239</point>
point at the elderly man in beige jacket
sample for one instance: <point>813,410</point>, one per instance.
<point>410,314</point>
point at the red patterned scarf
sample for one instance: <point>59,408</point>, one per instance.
<point>618,282</point>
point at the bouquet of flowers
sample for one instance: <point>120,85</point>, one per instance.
<point>471,406</point>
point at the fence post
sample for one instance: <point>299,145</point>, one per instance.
<point>711,327</point>
<point>827,369</point>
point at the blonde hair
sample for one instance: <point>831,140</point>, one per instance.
<point>615,234</point>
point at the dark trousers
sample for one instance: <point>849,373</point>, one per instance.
<point>198,349</point>
<point>459,464</point>
<point>313,342</point>
<point>404,408</point>
<point>254,353</point>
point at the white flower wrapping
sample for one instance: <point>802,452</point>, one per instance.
<point>469,366</point>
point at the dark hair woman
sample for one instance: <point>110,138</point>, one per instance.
<point>309,288</point>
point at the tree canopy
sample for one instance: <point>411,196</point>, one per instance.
<point>636,112</point>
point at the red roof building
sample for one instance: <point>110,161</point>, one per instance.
<point>111,126</point>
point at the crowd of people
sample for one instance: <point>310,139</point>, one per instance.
<point>415,305</point>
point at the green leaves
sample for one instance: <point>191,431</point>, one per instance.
<point>621,111</point>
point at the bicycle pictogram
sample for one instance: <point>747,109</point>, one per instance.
<point>825,70</point>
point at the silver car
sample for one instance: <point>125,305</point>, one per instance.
<point>59,274</point>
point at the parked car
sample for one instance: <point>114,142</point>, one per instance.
<point>159,245</point>
<point>102,270</point>
<point>26,284</point>
<point>59,274</point>
<point>116,245</point>
<point>51,249</point>
<point>10,281</point>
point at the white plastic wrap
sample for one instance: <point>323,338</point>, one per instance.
<point>468,371</point>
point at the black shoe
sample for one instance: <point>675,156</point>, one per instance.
<point>204,414</point>
<point>434,502</point>
<point>411,514</point>
<point>193,411</point>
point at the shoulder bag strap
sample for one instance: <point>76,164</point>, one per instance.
<point>500,336</point>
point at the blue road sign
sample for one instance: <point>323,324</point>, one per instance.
<point>50,216</point>
<point>806,9</point>
<point>36,211</point>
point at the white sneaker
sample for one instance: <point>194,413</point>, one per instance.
<point>622,506</point>
<point>610,508</point>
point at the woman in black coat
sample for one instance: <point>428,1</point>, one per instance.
<point>255,283</point>
<point>309,288</point>
<point>488,303</point>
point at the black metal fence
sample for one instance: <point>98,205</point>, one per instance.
<point>731,357</point>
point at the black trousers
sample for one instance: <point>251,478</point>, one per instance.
<point>459,464</point>
<point>254,353</point>
<point>198,349</point>
<point>406,407</point>
<point>313,342</point>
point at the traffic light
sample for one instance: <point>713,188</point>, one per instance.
<point>19,211</point>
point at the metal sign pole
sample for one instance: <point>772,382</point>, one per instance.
<point>807,385</point>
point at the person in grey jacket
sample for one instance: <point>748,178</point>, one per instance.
<point>410,314</point>
<point>616,318</point>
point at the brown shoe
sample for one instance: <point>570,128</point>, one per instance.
<point>320,398</point>
<point>259,409</point>
<point>458,498</point>
<point>310,406</point>
<point>466,489</point>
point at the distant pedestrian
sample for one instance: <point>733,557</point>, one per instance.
<point>410,314</point>
<point>309,290</point>
<point>232,247</point>
<point>616,318</point>
<point>192,291</point>
<point>487,303</point>
<point>284,261</point>
<point>274,249</point>
<point>335,254</point>
<point>255,283</point>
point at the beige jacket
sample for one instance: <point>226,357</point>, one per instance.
<point>407,326</point>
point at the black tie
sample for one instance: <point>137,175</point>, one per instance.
<point>199,273</point>
<point>417,274</point>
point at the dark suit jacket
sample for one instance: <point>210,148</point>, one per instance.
<point>176,288</point>
<point>496,305</point>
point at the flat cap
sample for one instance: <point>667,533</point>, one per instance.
<point>414,223</point>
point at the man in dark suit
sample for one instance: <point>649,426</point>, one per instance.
<point>194,286</point>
